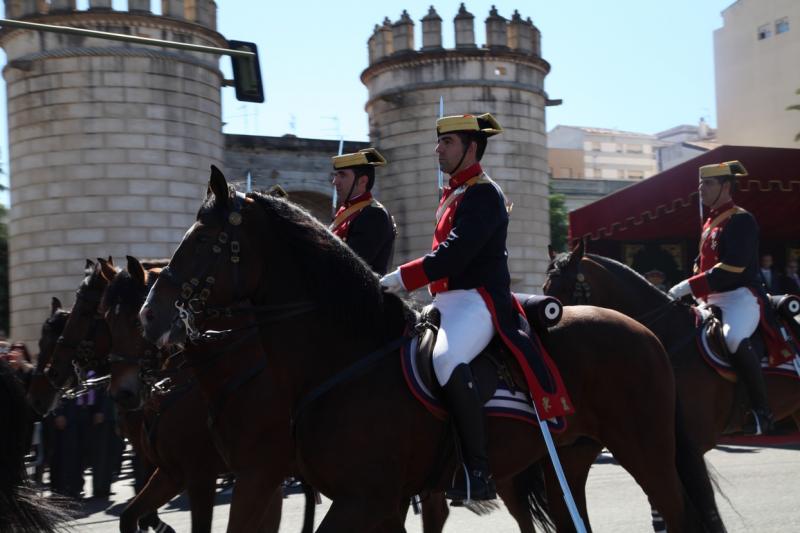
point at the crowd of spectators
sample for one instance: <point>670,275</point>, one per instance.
<point>80,436</point>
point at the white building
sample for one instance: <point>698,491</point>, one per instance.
<point>755,59</point>
<point>684,142</point>
<point>598,153</point>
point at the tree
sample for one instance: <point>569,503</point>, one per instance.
<point>558,221</point>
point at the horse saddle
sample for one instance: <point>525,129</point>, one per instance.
<point>775,338</point>
<point>495,363</point>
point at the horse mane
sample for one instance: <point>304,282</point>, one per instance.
<point>628,275</point>
<point>342,284</point>
<point>21,507</point>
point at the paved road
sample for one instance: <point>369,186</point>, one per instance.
<point>761,484</point>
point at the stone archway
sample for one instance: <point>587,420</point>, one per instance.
<point>316,203</point>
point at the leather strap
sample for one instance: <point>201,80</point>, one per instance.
<point>722,217</point>
<point>344,215</point>
<point>480,178</point>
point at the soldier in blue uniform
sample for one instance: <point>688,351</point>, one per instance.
<point>361,221</point>
<point>726,274</point>
<point>467,271</point>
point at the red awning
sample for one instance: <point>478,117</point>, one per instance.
<point>665,206</point>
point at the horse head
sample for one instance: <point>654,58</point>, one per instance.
<point>130,353</point>
<point>217,264</point>
<point>565,279</point>
<point>41,394</point>
<point>84,339</point>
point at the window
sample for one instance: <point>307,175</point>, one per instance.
<point>635,174</point>
<point>781,25</point>
<point>764,32</point>
<point>500,71</point>
<point>633,148</point>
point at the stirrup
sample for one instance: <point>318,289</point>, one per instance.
<point>479,486</point>
<point>761,424</point>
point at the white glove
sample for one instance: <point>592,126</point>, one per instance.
<point>393,282</point>
<point>681,289</point>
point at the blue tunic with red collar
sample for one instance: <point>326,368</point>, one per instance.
<point>469,252</point>
<point>728,256</point>
<point>369,231</point>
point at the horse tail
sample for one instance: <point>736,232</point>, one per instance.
<point>311,503</point>
<point>530,494</point>
<point>694,476</point>
<point>22,509</point>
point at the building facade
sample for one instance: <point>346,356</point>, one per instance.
<point>755,52</point>
<point>598,153</point>
<point>684,142</point>
<point>504,77</point>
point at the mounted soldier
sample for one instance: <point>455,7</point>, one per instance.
<point>467,271</point>
<point>726,275</point>
<point>361,221</point>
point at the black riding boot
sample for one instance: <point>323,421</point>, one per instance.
<point>467,412</point>
<point>748,368</point>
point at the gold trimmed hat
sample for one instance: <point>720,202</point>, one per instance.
<point>729,168</point>
<point>367,156</point>
<point>485,124</point>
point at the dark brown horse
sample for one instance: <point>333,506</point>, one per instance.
<point>206,406</point>
<point>172,431</point>
<point>709,401</point>
<point>365,441</point>
<point>131,421</point>
<point>56,373</point>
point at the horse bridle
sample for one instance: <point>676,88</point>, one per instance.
<point>84,353</point>
<point>194,293</point>
<point>582,291</point>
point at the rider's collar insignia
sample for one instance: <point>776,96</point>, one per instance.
<point>235,218</point>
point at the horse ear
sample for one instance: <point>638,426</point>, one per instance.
<point>106,269</point>
<point>551,252</point>
<point>578,250</point>
<point>55,305</point>
<point>136,270</point>
<point>110,260</point>
<point>218,184</point>
<point>89,264</point>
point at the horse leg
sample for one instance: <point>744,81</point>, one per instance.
<point>158,490</point>
<point>576,461</point>
<point>201,502</point>
<point>434,512</point>
<point>357,515</point>
<point>248,512</point>
<point>272,518</point>
<point>310,507</point>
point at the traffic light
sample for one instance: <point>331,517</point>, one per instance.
<point>247,73</point>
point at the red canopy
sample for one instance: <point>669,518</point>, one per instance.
<point>665,206</point>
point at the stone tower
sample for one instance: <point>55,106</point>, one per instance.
<point>110,143</point>
<point>504,77</point>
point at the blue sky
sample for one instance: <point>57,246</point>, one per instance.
<point>638,65</point>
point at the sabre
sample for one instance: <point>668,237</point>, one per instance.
<point>335,198</point>
<point>440,173</point>
<point>562,481</point>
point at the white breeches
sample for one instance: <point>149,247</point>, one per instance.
<point>740,315</point>
<point>466,329</point>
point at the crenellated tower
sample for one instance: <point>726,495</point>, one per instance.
<point>110,143</point>
<point>505,77</point>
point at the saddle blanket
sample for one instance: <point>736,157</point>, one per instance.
<point>506,402</point>
<point>790,369</point>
